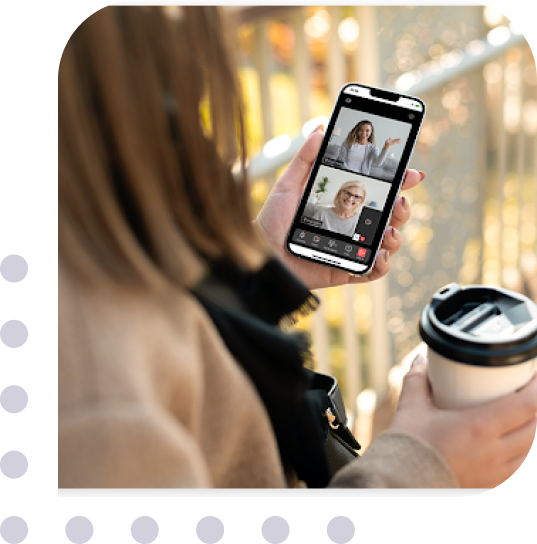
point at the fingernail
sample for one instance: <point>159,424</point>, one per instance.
<point>386,257</point>
<point>422,175</point>
<point>406,205</point>
<point>395,233</point>
<point>316,129</point>
<point>418,360</point>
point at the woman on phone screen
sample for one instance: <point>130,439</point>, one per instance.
<point>359,151</point>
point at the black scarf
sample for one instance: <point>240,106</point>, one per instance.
<point>248,310</point>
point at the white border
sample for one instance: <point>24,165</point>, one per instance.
<point>327,257</point>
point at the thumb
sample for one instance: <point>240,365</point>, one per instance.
<point>296,174</point>
<point>415,388</point>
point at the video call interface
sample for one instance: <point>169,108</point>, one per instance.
<point>352,184</point>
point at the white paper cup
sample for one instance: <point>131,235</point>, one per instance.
<point>459,385</point>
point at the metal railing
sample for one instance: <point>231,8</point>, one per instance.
<point>377,370</point>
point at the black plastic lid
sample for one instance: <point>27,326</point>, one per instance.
<point>478,325</point>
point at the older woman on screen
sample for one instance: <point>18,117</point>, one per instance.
<point>359,151</point>
<point>343,217</point>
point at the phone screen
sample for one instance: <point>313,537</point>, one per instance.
<point>356,178</point>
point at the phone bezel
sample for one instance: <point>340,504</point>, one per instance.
<point>397,181</point>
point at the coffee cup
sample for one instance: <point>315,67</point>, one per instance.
<point>482,343</point>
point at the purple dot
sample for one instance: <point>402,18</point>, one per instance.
<point>144,530</point>
<point>210,530</point>
<point>14,268</point>
<point>13,464</point>
<point>275,530</point>
<point>14,334</point>
<point>13,399</point>
<point>79,530</point>
<point>340,530</point>
<point>14,530</point>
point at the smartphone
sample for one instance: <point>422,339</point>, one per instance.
<point>356,177</point>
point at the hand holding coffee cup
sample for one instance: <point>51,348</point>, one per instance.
<point>483,445</point>
<point>482,344</point>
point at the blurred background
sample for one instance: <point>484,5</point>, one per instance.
<point>473,218</point>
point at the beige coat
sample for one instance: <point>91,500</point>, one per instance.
<point>150,397</point>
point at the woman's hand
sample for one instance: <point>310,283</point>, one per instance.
<point>391,141</point>
<point>484,445</point>
<point>278,212</point>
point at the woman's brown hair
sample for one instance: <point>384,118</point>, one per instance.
<point>146,193</point>
<point>352,136</point>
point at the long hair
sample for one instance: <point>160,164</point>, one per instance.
<point>150,123</point>
<point>348,184</point>
<point>352,136</point>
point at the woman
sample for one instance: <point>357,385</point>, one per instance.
<point>343,217</point>
<point>173,371</point>
<point>359,151</point>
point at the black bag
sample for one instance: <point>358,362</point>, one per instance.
<point>340,444</point>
